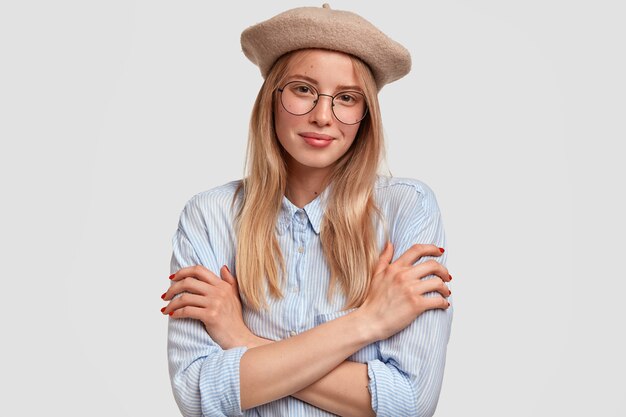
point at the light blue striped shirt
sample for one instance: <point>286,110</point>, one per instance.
<point>405,371</point>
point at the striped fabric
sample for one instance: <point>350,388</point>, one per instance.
<point>405,371</point>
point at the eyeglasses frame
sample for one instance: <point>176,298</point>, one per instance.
<point>280,90</point>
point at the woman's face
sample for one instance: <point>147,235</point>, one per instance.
<point>329,72</point>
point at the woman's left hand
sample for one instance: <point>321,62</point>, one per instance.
<point>213,301</point>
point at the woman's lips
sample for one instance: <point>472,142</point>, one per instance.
<point>317,140</point>
<point>316,135</point>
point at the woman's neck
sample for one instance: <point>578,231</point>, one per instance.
<point>301,190</point>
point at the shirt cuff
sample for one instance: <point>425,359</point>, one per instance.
<point>391,391</point>
<point>219,384</point>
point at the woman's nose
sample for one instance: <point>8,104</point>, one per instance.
<point>322,113</point>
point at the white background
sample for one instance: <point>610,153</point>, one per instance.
<point>114,113</point>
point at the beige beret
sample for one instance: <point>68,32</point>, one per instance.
<point>322,27</point>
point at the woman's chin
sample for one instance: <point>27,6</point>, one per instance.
<point>315,163</point>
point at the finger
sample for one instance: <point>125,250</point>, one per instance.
<point>432,303</point>
<point>191,285</point>
<point>385,258</point>
<point>433,285</point>
<point>415,252</point>
<point>431,267</point>
<point>227,276</point>
<point>188,312</point>
<point>185,300</point>
<point>198,272</point>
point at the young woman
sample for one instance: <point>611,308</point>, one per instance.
<point>344,309</point>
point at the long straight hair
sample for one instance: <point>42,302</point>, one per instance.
<point>348,230</point>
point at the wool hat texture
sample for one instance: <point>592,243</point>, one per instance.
<point>325,28</point>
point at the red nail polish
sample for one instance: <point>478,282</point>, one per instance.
<point>448,306</point>
<point>163,296</point>
<point>171,312</point>
<point>163,309</point>
<point>442,250</point>
<point>172,276</point>
<point>450,277</point>
<point>227,268</point>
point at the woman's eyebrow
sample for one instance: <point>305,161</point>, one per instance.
<point>314,81</point>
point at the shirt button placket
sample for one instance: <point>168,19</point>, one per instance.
<point>300,238</point>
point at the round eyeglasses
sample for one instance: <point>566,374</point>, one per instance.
<point>299,98</point>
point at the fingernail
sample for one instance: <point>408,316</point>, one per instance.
<point>450,277</point>
<point>172,276</point>
<point>163,296</point>
<point>448,306</point>
<point>227,268</point>
<point>442,250</point>
<point>163,309</point>
<point>171,312</point>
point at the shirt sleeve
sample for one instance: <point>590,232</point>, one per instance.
<point>204,377</point>
<point>406,378</point>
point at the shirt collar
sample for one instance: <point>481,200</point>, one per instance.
<point>314,211</point>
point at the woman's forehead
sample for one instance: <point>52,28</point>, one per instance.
<point>323,67</point>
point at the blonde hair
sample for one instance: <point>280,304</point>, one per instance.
<point>348,232</point>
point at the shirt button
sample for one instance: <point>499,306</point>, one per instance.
<point>301,249</point>
<point>292,333</point>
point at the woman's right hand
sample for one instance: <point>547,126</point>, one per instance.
<point>396,295</point>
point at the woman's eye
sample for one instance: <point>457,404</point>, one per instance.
<point>346,98</point>
<point>302,89</point>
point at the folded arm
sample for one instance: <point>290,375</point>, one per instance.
<point>343,391</point>
<point>312,366</point>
